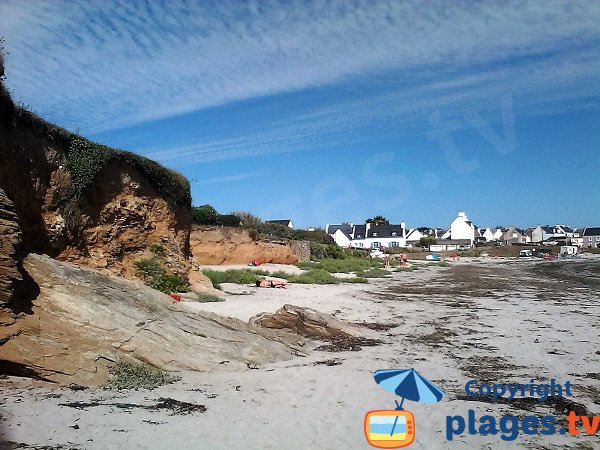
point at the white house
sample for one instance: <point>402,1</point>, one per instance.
<point>577,237</point>
<point>368,235</point>
<point>341,234</point>
<point>487,234</point>
<point>461,229</point>
<point>413,236</point>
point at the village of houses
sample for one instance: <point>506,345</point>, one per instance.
<point>462,234</point>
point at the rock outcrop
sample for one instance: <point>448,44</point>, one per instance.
<point>223,245</point>
<point>82,321</point>
<point>10,241</point>
<point>309,323</point>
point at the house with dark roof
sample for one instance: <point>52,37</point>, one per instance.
<point>368,235</point>
<point>577,237</point>
<point>414,235</point>
<point>341,234</point>
<point>542,233</point>
<point>285,222</point>
<point>591,237</point>
<point>513,235</point>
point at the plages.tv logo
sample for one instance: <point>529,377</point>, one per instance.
<point>397,428</point>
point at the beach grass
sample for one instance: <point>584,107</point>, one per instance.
<point>208,298</point>
<point>131,375</point>
<point>347,265</point>
<point>236,276</point>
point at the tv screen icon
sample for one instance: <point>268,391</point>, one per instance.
<point>389,429</point>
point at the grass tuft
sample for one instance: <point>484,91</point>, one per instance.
<point>207,298</point>
<point>154,274</point>
<point>130,375</point>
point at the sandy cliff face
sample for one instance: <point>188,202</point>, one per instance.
<point>108,224</point>
<point>122,215</point>
<point>222,245</point>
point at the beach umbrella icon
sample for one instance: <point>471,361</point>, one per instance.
<point>408,384</point>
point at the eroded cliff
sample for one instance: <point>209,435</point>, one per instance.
<point>83,202</point>
<point>224,245</point>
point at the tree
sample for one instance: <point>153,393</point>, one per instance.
<point>205,215</point>
<point>426,241</point>
<point>378,220</point>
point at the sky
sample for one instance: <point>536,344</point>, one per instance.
<point>323,112</point>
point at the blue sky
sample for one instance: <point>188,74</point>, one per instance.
<point>329,111</point>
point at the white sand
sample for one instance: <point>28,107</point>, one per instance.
<point>299,405</point>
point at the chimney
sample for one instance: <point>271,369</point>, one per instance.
<point>403,225</point>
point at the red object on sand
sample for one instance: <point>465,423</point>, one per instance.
<point>176,297</point>
<point>256,262</point>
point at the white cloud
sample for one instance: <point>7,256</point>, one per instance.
<point>104,65</point>
<point>231,178</point>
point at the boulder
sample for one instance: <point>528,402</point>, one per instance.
<point>83,321</point>
<point>309,323</point>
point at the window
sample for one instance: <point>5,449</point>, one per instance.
<point>375,244</point>
<point>598,238</point>
<point>394,233</point>
<point>394,244</point>
<point>374,234</point>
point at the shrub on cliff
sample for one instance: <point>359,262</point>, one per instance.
<point>207,215</point>
<point>154,274</point>
<point>248,219</point>
<point>86,159</point>
<point>281,231</point>
<point>204,215</point>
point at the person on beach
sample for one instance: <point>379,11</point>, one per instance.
<point>264,283</point>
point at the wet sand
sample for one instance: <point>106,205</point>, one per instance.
<point>485,319</point>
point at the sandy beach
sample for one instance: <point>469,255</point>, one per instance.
<point>486,319</point>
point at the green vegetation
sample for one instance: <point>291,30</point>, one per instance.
<point>426,241</point>
<point>207,298</point>
<point>86,159</point>
<point>373,273</point>
<point>248,276</point>
<point>341,265</point>
<point>155,275</point>
<point>378,220</point>
<point>129,375</point>
<point>248,220</point>
<point>158,250</point>
<point>355,280</point>
<point>351,264</point>
<point>281,231</point>
<point>207,215</point>
<point>237,276</point>
<point>314,276</point>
